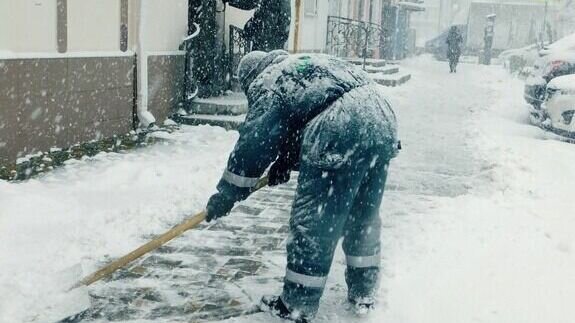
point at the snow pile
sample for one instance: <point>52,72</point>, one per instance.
<point>566,43</point>
<point>100,207</point>
<point>504,252</point>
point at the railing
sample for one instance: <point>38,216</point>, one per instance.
<point>353,38</point>
<point>238,47</point>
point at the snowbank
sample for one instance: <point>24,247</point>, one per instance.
<point>503,252</point>
<point>101,207</point>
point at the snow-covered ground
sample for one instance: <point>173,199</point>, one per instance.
<point>503,251</point>
<point>478,219</point>
<point>99,207</point>
<point>478,215</point>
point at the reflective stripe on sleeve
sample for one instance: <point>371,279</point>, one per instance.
<point>239,181</point>
<point>363,262</point>
<point>305,280</point>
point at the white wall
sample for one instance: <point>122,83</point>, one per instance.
<point>426,23</point>
<point>166,24</point>
<point>93,25</point>
<point>28,26</point>
<point>236,17</point>
<point>313,28</point>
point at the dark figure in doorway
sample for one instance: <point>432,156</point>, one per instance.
<point>268,29</point>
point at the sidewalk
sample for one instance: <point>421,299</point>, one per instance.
<point>211,273</point>
<point>477,204</point>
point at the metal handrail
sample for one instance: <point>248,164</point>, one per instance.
<point>238,47</point>
<point>349,37</point>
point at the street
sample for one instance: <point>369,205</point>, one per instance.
<point>478,214</point>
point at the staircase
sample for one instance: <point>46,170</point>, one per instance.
<point>383,72</point>
<point>227,111</point>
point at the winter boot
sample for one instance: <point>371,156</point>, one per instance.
<point>276,307</point>
<point>362,306</point>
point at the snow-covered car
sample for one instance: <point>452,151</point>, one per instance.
<point>517,59</point>
<point>558,108</point>
<point>555,60</point>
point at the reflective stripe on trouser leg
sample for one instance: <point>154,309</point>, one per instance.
<point>363,261</point>
<point>362,276</point>
<point>305,280</point>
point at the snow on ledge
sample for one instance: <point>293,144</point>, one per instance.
<point>166,53</point>
<point>233,98</point>
<point>87,54</point>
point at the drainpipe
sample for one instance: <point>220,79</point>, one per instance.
<point>370,19</point>
<point>296,26</point>
<point>146,118</point>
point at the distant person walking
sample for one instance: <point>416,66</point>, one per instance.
<point>454,42</point>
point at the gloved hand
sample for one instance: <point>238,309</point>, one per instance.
<point>279,173</point>
<point>219,206</point>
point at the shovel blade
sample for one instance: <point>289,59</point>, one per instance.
<point>61,302</point>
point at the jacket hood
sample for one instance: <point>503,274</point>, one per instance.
<point>253,64</point>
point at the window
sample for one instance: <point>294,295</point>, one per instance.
<point>310,7</point>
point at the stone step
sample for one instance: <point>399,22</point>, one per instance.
<point>392,79</point>
<point>374,62</point>
<point>228,122</point>
<point>232,103</point>
<point>388,69</point>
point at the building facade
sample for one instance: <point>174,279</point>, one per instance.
<point>73,71</point>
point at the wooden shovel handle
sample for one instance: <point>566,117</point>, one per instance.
<point>153,245</point>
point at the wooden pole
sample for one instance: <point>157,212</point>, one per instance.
<point>296,26</point>
<point>152,245</point>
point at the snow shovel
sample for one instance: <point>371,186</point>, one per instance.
<point>161,240</point>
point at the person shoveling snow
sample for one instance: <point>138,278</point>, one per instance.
<point>328,119</point>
